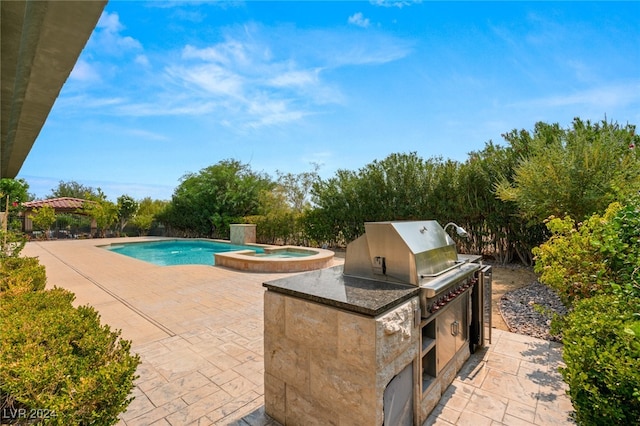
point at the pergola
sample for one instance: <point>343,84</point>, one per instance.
<point>60,205</point>
<point>40,44</point>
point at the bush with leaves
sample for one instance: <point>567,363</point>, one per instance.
<point>620,246</point>
<point>18,274</point>
<point>602,357</point>
<point>59,358</point>
<point>600,255</point>
<point>56,359</point>
<point>595,265</point>
<point>568,262</point>
<point>21,274</point>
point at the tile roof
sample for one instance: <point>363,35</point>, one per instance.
<point>64,203</point>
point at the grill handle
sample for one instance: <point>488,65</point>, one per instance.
<point>455,328</point>
<point>438,284</point>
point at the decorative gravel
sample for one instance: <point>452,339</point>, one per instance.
<point>529,310</point>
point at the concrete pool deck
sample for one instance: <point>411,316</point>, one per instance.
<point>198,330</point>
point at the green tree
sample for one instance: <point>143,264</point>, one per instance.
<point>495,226</point>
<point>13,192</point>
<point>276,221</point>
<point>575,172</point>
<point>282,208</point>
<point>43,218</point>
<point>296,188</point>
<point>74,189</point>
<point>147,214</point>
<point>207,202</point>
<point>338,217</point>
<point>17,191</point>
<point>105,213</point>
<point>127,208</point>
<point>399,187</point>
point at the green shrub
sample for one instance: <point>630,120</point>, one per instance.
<point>59,358</point>
<point>620,246</point>
<point>21,274</point>
<point>278,228</point>
<point>602,356</point>
<point>11,244</point>
<point>568,262</point>
<point>601,255</point>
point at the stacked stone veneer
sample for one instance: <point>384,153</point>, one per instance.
<point>242,233</point>
<point>326,366</point>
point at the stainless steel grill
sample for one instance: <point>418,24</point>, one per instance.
<point>417,253</point>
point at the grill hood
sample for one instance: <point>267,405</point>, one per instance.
<point>405,252</point>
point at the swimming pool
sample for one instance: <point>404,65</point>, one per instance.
<point>178,252</point>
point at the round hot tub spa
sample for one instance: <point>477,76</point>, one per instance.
<point>276,259</point>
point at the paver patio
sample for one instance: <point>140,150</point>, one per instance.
<point>199,333</point>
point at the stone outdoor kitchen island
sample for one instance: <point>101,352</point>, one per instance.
<point>329,363</point>
<point>350,350</point>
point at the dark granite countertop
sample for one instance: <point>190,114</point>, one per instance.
<point>330,287</point>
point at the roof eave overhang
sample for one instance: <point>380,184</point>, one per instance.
<point>41,42</point>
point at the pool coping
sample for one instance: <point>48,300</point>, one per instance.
<point>242,261</point>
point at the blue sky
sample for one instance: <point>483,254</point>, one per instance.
<point>167,88</point>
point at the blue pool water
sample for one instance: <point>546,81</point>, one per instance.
<point>178,252</point>
<point>284,254</point>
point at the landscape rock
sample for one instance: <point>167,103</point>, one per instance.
<point>530,310</point>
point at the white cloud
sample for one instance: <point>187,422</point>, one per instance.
<point>107,37</point>
<point>296,78</point>
<point>227,53</point>
<point>83,103</point>
<point>270,113</point>
<point>395,3</point>
<point>338,49</point>
<point>142,60</point>
<point>176,108</point>
<point>255,89</point>
<point>601,97</point>
<point>212,78</point>
<point>255,76</point>
<point>359,20</point>
<point>84,71</point>
<point>110,22</point>
<point>145,134</point>
<point>581,70</point>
